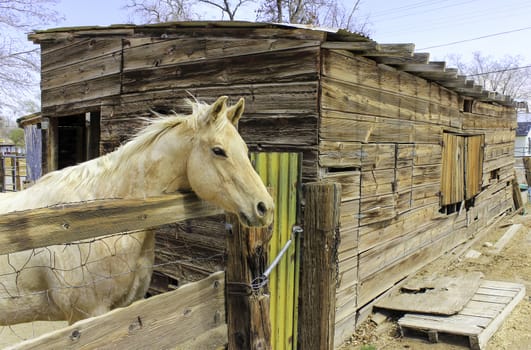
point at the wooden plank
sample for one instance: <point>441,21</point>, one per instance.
<point>248,322</point>
<point>473,165</point>
<point>422,323</point>
<point>377,182</point>
<point>501,286</point>
<point>377,208</point>
<point>86,70</point>
<point>145,53</point>
<point>71,222</point>
<point>452,176</point>
<point>497,322</point>
<point>443,295</point>
<point>350,184</point>
<point>78,50</point>
<point>285,66</point>
<point>507,236</point>
<point>82,91</point>
<point>362,46</point>
<point>492,298</point>
<point>346,66</point>
<point>336,154</point>
<point>373,235</point>
<point>378,156</point>
<point>213,339</point>
<point>318,275</point>
<point>482,308</point>
<point>172,319</point>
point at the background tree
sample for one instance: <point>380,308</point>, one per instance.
<point>329,13</point>
<point>19,60</point>
<point>17,136</point>
<point>507,76</point>
<point>156,11</point>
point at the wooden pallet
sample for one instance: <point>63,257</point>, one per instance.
<point>479,319</point>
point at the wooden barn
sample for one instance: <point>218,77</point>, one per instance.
<point>424,157</point>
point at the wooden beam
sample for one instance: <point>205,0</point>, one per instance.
<point>418,58</point>
<point>317,292</point>
<point>248,322</point>
<point>71,222</point>
<point>416,68</point>
<point>168,320</point>
<point>397,49</point>
<point>350,45</point>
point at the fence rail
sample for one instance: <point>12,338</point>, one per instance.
<point>12,172</point>
<point>66,223</point>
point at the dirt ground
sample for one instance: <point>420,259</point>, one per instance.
<point>512,264</point>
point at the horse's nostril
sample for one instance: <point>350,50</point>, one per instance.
<point>262,209</point>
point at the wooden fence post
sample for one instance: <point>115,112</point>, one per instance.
<point>2,174</point>
<point>527,166</point>
<point>317,290</point>
<point>248,322</point>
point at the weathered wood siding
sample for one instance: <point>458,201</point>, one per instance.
<point>347,104</point>
<point>77,74</point>
<point>381,136</point>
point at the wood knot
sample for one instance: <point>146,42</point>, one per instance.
<point>75,335</point>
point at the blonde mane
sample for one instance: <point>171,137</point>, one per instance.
<point>90,172</point>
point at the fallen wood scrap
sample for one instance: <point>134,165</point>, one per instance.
<point>444,295</point>
<point>507,236</point>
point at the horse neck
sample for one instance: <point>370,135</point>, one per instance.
<point>159,168</point>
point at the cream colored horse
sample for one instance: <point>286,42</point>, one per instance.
<point>202,152</point>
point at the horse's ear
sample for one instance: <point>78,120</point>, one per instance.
<point>217,109</point>
<point>235,112</point>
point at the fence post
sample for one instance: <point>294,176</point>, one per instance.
<point>2,173</point>
<point>527,166</point>
<point>317,290</point>
<point>248,322</point>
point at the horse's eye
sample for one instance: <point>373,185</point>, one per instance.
<point>218,151</point>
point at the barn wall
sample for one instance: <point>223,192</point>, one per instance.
<point>381,136</point>
<point>123,76</point>
<point>376,130</point>
<point>77,74</point>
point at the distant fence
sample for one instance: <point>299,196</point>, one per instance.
<point>522,152</point>
<point>12,172</point>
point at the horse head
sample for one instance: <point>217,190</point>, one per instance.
<point>219,169</point>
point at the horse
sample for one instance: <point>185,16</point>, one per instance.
<point>202,152</point>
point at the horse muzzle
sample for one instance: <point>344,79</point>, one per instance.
<point>262,215</point>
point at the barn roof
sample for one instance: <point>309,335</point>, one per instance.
<point>399,56</point>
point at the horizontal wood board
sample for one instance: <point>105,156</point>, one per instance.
<point>177,320</point>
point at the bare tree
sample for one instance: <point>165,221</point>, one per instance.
<point>156,11</point>
<point>329,13</point>
<point>19,60</point>
<point>507,76</point>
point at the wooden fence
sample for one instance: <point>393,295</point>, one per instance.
<point>12,172</point>
<point>194,316</point>
<point>191,317</point>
